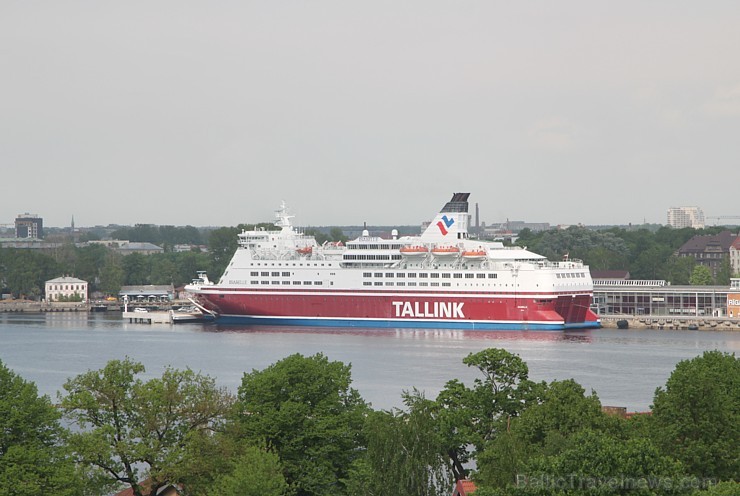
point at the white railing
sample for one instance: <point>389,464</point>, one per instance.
<point>630,282</point>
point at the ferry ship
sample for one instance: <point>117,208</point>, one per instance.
<point>442,278</point>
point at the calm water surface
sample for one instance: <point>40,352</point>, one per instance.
<point>623,366</point>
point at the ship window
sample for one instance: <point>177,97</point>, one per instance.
<point>275,274</point>
<point>492,276</point>
<point>296,283</point>
<point>366,274</point>
<point>265,274</point>
<point>367,283</point>
<point>458,275</point>
<point>469,276</point>
<point>446,284</point>
<point>480,276</point>
<point>274,282</point>
<point>389,274</point>
<point>306,283</point>
<point>378,283</point>
<point>286,283</point>
<point>435,284</point>
<point>400,284</point>
<point>423,275</point>
<point>378,274</point>
<point>388,283</point>
<point>446,275</point>
<point>286,274</point>
<point>265,282</point>
<point>400,274</point>
<point>253,282</point>
<point>423,284</point>
<point>412,284</point>
<point>318,283</point>
<point>412,274</point>
<point>435,275</point>
<point>254,274</point>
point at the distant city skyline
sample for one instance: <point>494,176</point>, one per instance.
<point>188,112</point>
<point>710,221</point>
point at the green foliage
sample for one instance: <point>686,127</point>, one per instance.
<point>24,272</point>
<point>33,459</point>
<point>679,269</point>
<point>721,489</point>
<point>471,417</point>
<point>724,272</point>
<point>128,429</point>
<point>543,429</point>
<point>701,276</point>
<point>595,463</point>
<point>405,452</point>
<point>257,472</point>
<point>696,417</point>
<point>304,409</point>
<point>76,297</point>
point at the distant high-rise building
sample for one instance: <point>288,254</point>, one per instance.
<point>680,217</point>
<point>29,226</point>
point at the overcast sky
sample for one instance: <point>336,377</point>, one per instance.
<point>212,113</point>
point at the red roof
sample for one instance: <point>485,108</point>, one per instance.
<point>464,488</point>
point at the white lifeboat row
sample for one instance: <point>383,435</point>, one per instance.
<point>443,251</point>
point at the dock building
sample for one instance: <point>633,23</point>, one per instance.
<point>657,298</point>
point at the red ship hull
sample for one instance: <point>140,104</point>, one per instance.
<point>413,309</point>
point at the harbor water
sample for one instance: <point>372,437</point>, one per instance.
<point>624,367</point>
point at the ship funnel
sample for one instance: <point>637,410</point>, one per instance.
<point>451,223</point>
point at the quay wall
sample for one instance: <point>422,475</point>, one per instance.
<point>43,307</point>
<point>670,323</point>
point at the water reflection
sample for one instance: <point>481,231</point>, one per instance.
<point>408,333</point>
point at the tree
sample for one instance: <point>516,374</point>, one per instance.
<point>304,409</point>
<point>111,274</point>
<point>543,429</point>
<point>724,272</point>
<point>129,430</point>
<point>255,473</point>
<point>405,452</point>
<point>222,244</point>
<point>136,269</point>
<point>701,276</point>
<point>474,416</point>
<point>595,463</point>
<point>33,457</point>
<point>696,417</point>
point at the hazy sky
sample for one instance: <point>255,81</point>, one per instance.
<point>211,113</point>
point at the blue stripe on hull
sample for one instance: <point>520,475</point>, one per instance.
<point>411,324</point>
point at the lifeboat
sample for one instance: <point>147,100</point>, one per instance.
<point>445,251</point>
<point>306,250</point>
<point>414,251</point>
<point>474,254</point>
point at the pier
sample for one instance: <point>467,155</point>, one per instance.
<point>149,317</point>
